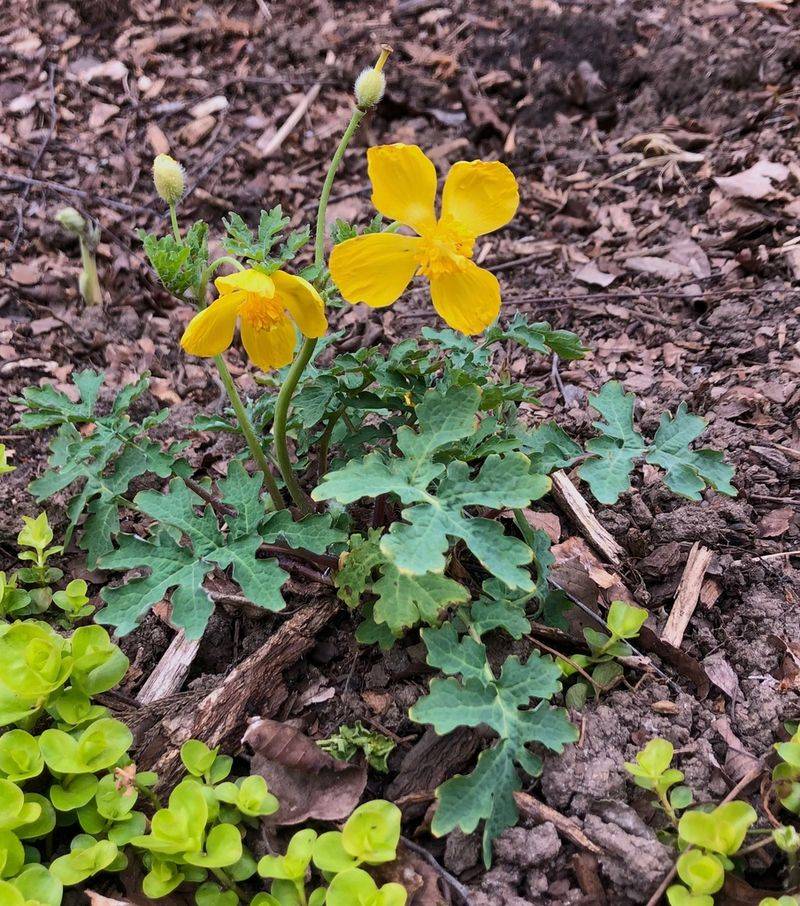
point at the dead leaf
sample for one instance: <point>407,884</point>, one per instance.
<point>590,273</point>
<point>418,877</point>
<point>722,675</point>
<point>660,267</point>
<point>97,899</point>
<point>308,782</point>
<point>755,182</point>
<point>776,523</point>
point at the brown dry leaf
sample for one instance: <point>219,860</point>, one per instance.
<point>590,273</point>
<point>411,871</point>
<point>755,182</point>
<point>722,675</point>
<point>308,782</point>
<point>776,523</point>
<point>659,267</point>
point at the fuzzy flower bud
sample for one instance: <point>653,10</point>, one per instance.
<point>371,84</point>
<point>71,220</point>
<point>168,178</point>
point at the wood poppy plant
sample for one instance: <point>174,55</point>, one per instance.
<point>267,309</point>
<point>479,197</point>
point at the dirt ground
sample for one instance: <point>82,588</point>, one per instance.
<point>656,148</point>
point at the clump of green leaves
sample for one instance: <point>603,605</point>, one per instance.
<point>708,838</point>
<point>514,704</point>
<point>347,741</point>
<point>98,454</point>
<point>786,774</point>
<point>623,623</point>
<point>256,248</point>
<point>687,472</point>
<point>180,265</point>
<point>652,770</point>
<point>369,837</point>
<point>184,566</point>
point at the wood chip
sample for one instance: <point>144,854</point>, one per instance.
<point>688,594</point>
<point>540,812</point>
<point>575,506</point>
<point>170,672</point>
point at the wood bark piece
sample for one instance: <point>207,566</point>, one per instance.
<point>570,499</point>
<point>540,812</point>
<point>269,144</point>
<point>255,687</point>
<point>170,671</point>
<point>688,594</point>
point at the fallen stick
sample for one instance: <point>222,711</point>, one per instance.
<point>271,145</point>
<point>572,502</point>
<point>540,812</point>
<point>688,595</point>
<point>254,687</point>
<point>170,671</point>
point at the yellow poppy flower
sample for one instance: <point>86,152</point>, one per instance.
<point>267,308</point>
<point>479,197</point>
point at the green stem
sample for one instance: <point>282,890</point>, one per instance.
<point>228,883</point>
<point>249,434</point>
<point>307,349</point>
<point>173,216</point>
<point>90,284</point>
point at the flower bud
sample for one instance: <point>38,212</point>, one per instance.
<point>168,178</point>
<point>369,87</point>
<point>371,84</point>
<point>71,220</point>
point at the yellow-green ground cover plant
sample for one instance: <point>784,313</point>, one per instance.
<point>384,465</point>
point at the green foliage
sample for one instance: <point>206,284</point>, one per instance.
<point>686,472</point>
<point>5,465</point>
<point>347,741</point>
<point>786,773</point>
<point>39,668</point>
<point>478,697</point>
<point>721,830</point>
<point>184,567</point>
<point>179,265</point>
<point>537,337</point>
<point>623,622</point>
<point>433,516</point>
<point>369,837</point>
<point>74,601</point>
<point>101,459</point>
<point>356,888</point>
<point>256,248</point>
<point>652,770</point>
<point>402,600</point>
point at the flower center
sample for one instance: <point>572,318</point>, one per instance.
<point>261,312</point>
<point>445,249</point>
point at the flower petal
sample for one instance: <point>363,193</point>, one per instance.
<point>403,185</point>
<point>303,302</point>
<point>480,195</point>
<point>469,299</point>
<point>374,268</point>
<point>251,281</point>
<point>268,349</point>
<point>210,331</point>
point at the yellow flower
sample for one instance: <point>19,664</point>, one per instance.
<point>267,308</point>
<point>479,197</point>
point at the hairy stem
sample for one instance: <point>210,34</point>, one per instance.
<point>307,349</point>
<point>249,434</point>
